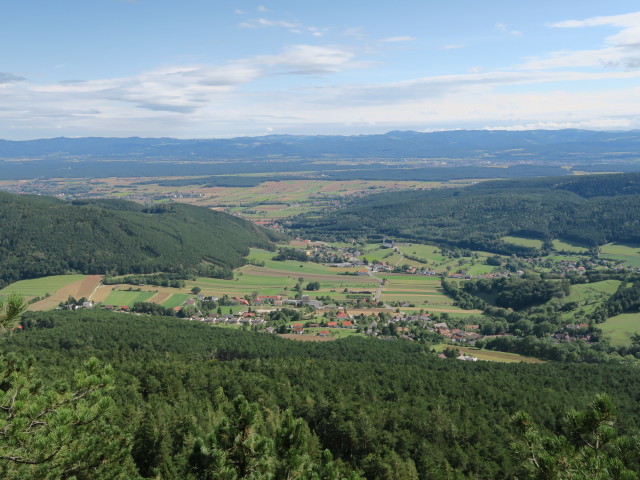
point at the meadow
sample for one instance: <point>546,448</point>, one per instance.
<point>523,241</point>
<point>628,255</point>
<point>619,329</point>
<point>39,287</point>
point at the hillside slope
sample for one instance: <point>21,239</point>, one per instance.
<point>45,236</point>
<point>591,210</point>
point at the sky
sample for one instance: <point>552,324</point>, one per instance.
<point>220,69</point>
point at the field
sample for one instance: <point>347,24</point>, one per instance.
<point>628,255</point>
<point>561,246</point>
<point>489,355</point>
<point>523,242</point>
<point>267,201</point>
<point>124,297</point>
<point>618,329</point>
<point>56,289</point>
<point>421,291</point>
<point>39,287</point>
<point>589,295</point>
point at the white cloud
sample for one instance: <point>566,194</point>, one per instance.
<point>293,27</point>
<point>503,28</point>
<point>622,49</point>
<point>263,22</point>
<point>398,39</point>
<point>453,46</point>
<point>309,59</point>
<point>237,11</point>
<point>262,8</point>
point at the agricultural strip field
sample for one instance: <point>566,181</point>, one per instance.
<point>423,292</point>
<point>124,297</point>
<point>39,287</point>
<point>59,288</point>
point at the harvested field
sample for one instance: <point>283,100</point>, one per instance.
<point>78,289</point>
<point>306,338</point>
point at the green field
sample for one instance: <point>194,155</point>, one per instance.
<point>423,292</point>
<point>523,241</point>
<point>175,300</point>
<point>618,329</point>
<point>561,246</point>
<point>38,287</point>
<point>590,295</point>
<point>627,254</point>
<point>123,297</point>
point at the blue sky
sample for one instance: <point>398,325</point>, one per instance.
<point>212,69</point>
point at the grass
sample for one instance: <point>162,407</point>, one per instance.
<point>175,300</point>
<point>589,296</point>
<point>629,255</point>
<point>38,287</point>
<point>561,246</point>
<point>124,297</point>
<point>523,241</point>
<point>618,329</point>
<point>490,355</point>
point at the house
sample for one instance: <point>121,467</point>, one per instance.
<point>332,324</point>
<point>347,324</point>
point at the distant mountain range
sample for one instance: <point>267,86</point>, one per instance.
<point>472,153</point>
<point>396,145</point>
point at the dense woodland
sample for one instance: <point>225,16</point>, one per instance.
<point>589,210</point>
<point>44,236</point>
<point>191,401</point>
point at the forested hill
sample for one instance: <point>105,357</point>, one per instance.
<point>591,210</point>
<point>45,236</point>
<point>385,409</point>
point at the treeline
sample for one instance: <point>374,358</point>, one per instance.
<point>517,292</point>
<point>477,217</point>
<point>44,236</point>
<point>625,299</point>
<point>186,398</point>
<point>176,280</point>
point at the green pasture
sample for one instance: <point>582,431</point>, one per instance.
<point>374,251</point>
<point>523,241</point>
<point>589,296</point>
<point>479,269</point>
<point>561,246</point>
<point>395,279</point>
<point>123,297</point>
<point>618,329</point>
<point>38,287</point>
<point>590,293</point>
<point>427,252</point>
<point>175,300</point>
<point>627,254</point>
